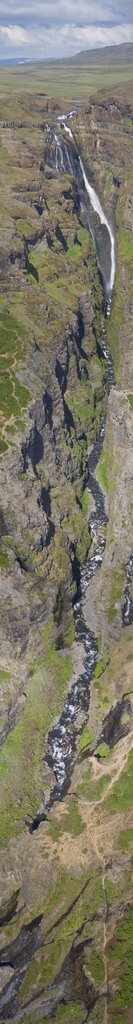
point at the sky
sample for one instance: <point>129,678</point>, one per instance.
<point>59,28</point>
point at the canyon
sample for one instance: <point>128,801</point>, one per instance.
<point>66,557</point>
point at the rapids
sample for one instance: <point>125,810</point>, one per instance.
<point>62,736</point>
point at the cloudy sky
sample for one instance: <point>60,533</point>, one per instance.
<point>56,28</point>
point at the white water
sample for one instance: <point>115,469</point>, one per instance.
<point>58,149</point>
<point>98,209</point>
<point>68,130</point>
<point>68,159</point>
<point>95,202</point>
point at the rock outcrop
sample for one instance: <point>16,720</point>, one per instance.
<point>66,908</point>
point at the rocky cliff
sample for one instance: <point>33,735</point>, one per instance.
<point>66,909</point>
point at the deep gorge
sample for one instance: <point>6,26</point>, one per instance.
<point>66,565</point>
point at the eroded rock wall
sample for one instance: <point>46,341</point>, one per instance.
<point>66,908</point>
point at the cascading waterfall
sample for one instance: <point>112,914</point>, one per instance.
<point>68,159</point>
<point>95,203</point>
<point>98,209</point>
<point>59,150</point>
<point>62,737</point>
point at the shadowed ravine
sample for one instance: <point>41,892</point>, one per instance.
<point>62,737</point>
<point>61,744</point>
<point>67,158</point>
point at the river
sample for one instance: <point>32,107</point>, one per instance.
<point>62,736</point>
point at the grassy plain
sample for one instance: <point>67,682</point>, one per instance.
<point>59,79</point>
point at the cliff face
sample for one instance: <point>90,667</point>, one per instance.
<point>66,888</point>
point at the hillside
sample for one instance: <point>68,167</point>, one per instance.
<point>105,56</point>
<point>65,495</point>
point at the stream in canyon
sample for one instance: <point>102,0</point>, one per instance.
<point>62,736</point>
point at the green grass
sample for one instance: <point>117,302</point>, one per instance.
<point>121,953</point>
<point>75,526</point>
<point>4,558</point>
<point>25,228</point>
<point>70,1012</point>
<point>85,502</point>
<point>4,675</point>
<point>103,750</point>
<point>19,768</point>
<point>116,591</point>
<point>91,790</point>
<point>97,967</point>
<point>120,797</point>
<point>85,739</point>
<point>125,838</point>
<point>13,395</point>
<point>72,821</point>
<point>58,79</point>
<point>100,666</point>
<point>130,399</point>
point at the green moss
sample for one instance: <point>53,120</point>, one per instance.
<point>14,397</point>
<point>100,665</point>
<point>4,558</point>
<point>3,446</point>
<point>60,569</point>
<point>122,1019</point>
<point>125,719</point>
<point>58,663</point>
<point>85,739</point>
<point>70,1012</point>
<point>97,967</point>
<point>125,838</point>
<point>69,635</point>
<point>111,891</point>
<point>85,502</point>
<point>103,750</point>
<point>121,952</point>
<point>83,545</point>
<point>24,227</point>
<point>120,797</point>
<point>54,830</point>
<point>117,582</point>
<point>29,981</point>
<point>78,402</point>
<point>4,676</point>
<point>91,790</point>
<point>73,822</point>
<point>21,785</point>
<point>75,526</point>
<point>130,399</point>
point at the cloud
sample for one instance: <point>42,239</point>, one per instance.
<point>14,34</point>
<point>69,12</point>
<point>51,29</point>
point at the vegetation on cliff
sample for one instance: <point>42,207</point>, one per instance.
<point>66,903</point>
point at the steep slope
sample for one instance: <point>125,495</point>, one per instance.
<point>66,907</point>
<point>104,55</point>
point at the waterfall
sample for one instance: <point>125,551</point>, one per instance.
<point>59,149</point>
<point>71,160</point>
<point>95,203</point>
<point>68,130</point>
<point>68,159</point>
